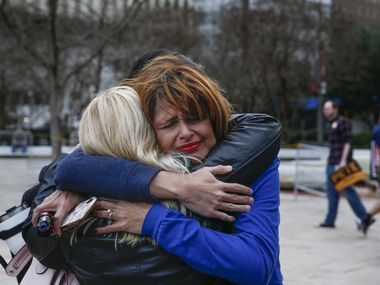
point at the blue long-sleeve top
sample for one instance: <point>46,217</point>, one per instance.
<point>105,176</point>
<point>376,134</point>
<point>250,255</point>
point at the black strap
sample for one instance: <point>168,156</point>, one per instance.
<point>3,262</point>
<point>6,234</point>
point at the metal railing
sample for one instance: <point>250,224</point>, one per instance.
<point>310,165</point>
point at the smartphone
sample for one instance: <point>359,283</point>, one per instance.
<point>79,213</point>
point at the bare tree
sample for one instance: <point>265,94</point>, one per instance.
<point>61,47</point>
<point>354,66</point>
<point>159,25</point>
<point>264,54</point>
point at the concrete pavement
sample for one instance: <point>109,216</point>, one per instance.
<point>309,255</point>
<point>315,256</point>
<point>16,176</point>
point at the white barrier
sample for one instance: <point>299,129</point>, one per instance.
<point>310,164</point>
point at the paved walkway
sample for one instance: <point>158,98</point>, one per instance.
<point>309,255</point>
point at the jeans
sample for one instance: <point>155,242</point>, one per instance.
<point>333,199</point>
<point>24,148</point>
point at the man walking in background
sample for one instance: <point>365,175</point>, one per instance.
<point>340,141</point>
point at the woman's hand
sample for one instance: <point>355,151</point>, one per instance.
<point>202,193</point>
<point>127,216</point>
<point>60,202</point>
<point>209,197</point>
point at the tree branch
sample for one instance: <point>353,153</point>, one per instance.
<point>20,36</point>
<point>124,23</point>
<point>53,36</point>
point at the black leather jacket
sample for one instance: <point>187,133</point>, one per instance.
<point>250,147</point>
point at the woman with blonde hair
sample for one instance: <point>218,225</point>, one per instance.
<point>114,125</point>
<point>189,115</point>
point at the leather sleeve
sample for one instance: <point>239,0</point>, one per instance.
<point>250,147</point>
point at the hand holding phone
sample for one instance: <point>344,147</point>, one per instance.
<point>79,213</point>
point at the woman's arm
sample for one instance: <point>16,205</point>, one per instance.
<point>129,180</point>
<point>105,176</point>
<point>248,256</point>
<point>251,145</point>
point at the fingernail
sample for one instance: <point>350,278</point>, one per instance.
<point>247,208</point>
<point>229,167</point>
<point>250,200</point>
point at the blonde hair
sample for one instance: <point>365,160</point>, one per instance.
<point>113,124</point>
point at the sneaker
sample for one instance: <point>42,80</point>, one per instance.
<point>324,225</point>
<point>364,224</point>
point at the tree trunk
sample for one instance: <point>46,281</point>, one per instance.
<point>56,137</point>
<point>284,106</point>
<point>56,91</point>
<point>267,89</point>
<point>3,94</point>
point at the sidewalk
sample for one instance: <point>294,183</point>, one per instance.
<point>33,152</point>
<point>309,255</point>
<point>315,256</point>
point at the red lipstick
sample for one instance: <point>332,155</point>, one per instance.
<point>190,147</point>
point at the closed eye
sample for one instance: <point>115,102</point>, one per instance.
<point>169,124</point>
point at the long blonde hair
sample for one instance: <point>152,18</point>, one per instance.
<point>113,124</point>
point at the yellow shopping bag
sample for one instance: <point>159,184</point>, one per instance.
<point>347,176</point>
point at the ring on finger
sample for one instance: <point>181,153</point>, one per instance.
<point>109,213</point>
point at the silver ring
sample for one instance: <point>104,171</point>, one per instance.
<point>109,213</point>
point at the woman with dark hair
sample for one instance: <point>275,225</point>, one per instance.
<point>189,115</point>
